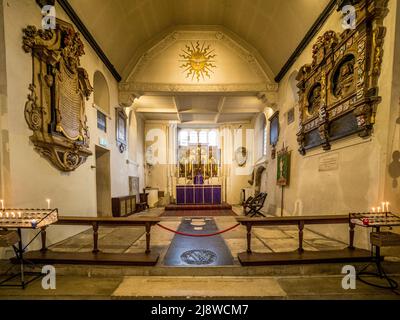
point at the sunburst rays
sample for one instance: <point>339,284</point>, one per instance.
<point>198,61</point>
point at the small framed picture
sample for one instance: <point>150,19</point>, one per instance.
<point>121,133</point>
<point>290,116</point>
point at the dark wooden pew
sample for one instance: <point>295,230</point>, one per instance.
<point>300,256</point>
<point>96,256</point>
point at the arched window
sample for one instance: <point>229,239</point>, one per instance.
<point>265,143</point>
<point>193,138</point>
<point>101,93</point>
<point>183,138</point>
<point>213,138</point>
<point>264,135</point>
<point>203,137</point>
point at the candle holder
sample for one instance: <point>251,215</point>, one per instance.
<point>13,218</point>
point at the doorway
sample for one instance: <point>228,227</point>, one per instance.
<point>103,182</point>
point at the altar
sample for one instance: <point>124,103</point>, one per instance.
<point>198,194</point>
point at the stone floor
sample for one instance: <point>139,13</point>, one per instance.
<point>231,282</point>
<point>132,239</point>
<point>145,287</point>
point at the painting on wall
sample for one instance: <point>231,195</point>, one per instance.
<point>290,116</point>
<point>133,186</point>
<point>283,170</point>
<point>121,130</point>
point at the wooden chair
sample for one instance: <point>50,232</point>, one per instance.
<point>143,201</point>
<point>246,203</point>
<point>253,206</point>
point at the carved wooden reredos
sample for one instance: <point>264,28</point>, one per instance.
<point>55,110</point>
<point>338,93</point>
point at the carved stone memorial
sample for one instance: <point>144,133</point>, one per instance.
<point>55,110</point>
<point>338,93</point>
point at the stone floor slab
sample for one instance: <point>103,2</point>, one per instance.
<point>200,287</point>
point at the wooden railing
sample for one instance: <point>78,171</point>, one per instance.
<point>146,222</point>
<point>300,222</point>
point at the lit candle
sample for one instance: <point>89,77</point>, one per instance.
<point>373,209</point>
<point>19,215</point>
<point>387,206</point>
<point>12,215</point>
<point>48,203</point>
<point>6,214</point>
<point>2,204</point>
<point>383,206</point>
<point>379,209</point>
<point>33,223</point>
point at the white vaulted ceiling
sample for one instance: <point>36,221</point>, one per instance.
<point>199,109</point>
<point>273,27</point>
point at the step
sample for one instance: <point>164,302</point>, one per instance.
<point>235,270</point>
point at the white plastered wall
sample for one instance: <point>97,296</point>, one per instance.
<point>32,179</point>
<point>361,180</point>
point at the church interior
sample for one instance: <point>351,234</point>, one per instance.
<point>214,149</point>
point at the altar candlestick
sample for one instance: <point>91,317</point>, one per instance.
<point>387,206</point>
<point>379,209</point>
<point>2,204</point>
<point>383,206</point>
<point>48,203</point>
<point>373,209</point>
<point>185,170</point>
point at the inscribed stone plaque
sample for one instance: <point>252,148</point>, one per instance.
<point>329,162</point>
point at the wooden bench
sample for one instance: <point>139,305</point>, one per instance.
<point>96,256</point>
<point>300,256</point>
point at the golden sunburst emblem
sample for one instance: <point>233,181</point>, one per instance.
<point>198,61</point>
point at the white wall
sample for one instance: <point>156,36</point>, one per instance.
<point>361,180</point>
<point>31,178</point>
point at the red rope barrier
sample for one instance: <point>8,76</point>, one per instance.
<point>198,235</point>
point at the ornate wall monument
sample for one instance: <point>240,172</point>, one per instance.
<point>55,110</point>
<point>338,92</point>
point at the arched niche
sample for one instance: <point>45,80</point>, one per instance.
<point>260,172</point>
<point>101,92</point>
<point>292,89</point>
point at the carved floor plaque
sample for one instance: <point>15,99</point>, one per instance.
<point>199,257</point>
<point>329,162</point>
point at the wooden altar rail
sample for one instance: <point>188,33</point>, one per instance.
<point>300,221</point>
<point>300,256</point>
<point>95,222</point>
